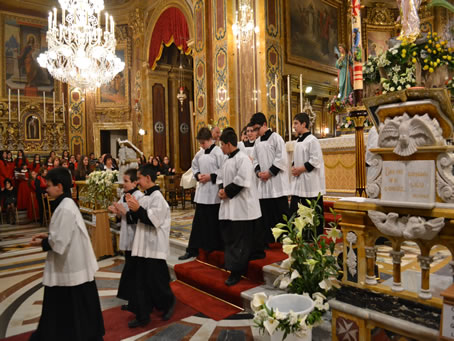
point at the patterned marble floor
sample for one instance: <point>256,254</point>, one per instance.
<point>21,290</point>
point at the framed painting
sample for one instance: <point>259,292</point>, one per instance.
<point>23,38</point>
<point>116,92</point>
<point>314,30</point>
<point>377,39</point>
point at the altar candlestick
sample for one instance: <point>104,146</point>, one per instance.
<point>53,95</point>
<point>289,109</point>
<point>9,105</point>
<point>55,17</point>
<point>277,110</point>
<point>44,105</point>
<point>49,22</point>
<point>107,22</point>
<point>63,106</point>
<point>18,105</point>
<point>301,92</point>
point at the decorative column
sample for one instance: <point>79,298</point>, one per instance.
<point>10,136</point>
<point>45,139</point>
<point>359,115</point>
<point>424,262</point>
<point>397,259</point>
<point>20,137</point>
<point>370,265</point>
<point>357,51</point>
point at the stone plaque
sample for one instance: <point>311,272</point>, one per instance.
<point>412,181</point>
<point>448,321</point>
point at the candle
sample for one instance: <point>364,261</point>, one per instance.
<point>53,95</point>
<point>62,16</point>
<point>18,105</point>
<point>55,17</point>
<point>63,106</point>
<point>44,105</point>
<point>9,105</point>
<point>107,22</point>
<point>289,109</point>
<point>49,23</point>
<point>301,92</point>
<point>99,19</point>
<point>277,110</point>
<point>111,25</point>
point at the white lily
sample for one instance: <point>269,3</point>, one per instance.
<point>271,325</point>
<point>280,315</point>
<point>285,282</point>
<point>286,264</point>
<point>277,232</point>
<point>258,300</point>
<point>334,234</point>
<point>295,274</point>
<point>288,249</point>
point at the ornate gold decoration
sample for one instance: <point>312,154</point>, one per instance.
<point>112,115</point>
<point>380,15</point>
<point>136,22</point>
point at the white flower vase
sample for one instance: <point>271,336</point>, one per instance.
<point>299,305</point>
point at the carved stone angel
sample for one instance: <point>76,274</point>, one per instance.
<point>406,134</point>
<point>408,227</point>
<point>128,157</point>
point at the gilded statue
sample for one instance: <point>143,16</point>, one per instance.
<point>409,20</point>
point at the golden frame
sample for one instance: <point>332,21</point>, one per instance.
<point>306,62</point>
<point>34,22</point>
<point>40,127</point>
<point>97,127</point>
<point>102,93</point>
<point>377,28</point>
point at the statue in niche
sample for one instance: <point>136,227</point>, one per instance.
<point>344,64</point>
<point>32,128</point>
<point>409,19</point>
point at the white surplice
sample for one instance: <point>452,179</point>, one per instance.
<point>245,205</point>
<point>153,241</point>
<point>210,163</point>
<point>71,261</point>
<point>127,231</point>
<point>308,184</point>
<point>269,150</point>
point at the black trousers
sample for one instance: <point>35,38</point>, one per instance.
<point>126,285</point>
<point>151,287</point>
<point>39,198</point>
<point>319,209</point>
<point>205,232</point>
<point>272,212</point>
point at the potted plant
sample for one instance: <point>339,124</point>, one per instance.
<point>311,271</point>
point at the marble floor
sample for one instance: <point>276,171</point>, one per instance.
<point>21,290</point>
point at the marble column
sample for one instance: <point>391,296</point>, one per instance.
<point>370,264</point>
<point>424,262</point>
<point>397,259</point>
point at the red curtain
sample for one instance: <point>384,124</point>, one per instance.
<point>171,27</point>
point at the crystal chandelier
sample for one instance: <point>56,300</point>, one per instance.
<point>79,52</point>
<point>244,23</point>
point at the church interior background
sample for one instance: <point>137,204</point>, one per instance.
<point>286,66</point>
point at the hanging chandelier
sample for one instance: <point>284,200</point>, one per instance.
<point>244,27</point>
<point>181,95</point>
<point>80,52</point>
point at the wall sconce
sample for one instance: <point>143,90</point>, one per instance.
<point>142,132</point>
<point>308,89</point>
<point>326,131</point>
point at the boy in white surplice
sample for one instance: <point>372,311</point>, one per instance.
<point>308,169</point>
<point>239,214</point>
<point>150,250</point>
<point>71,308</point>
<point>270,166</point>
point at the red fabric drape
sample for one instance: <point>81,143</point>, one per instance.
<point>171,27</point>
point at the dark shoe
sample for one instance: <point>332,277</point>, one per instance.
<point>187,255</point>
<point>233,279</point>
<point>169,312</point>
<point>124,307</point>
<point>137,323</point>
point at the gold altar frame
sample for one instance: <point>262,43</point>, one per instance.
<point>306,62</point>
<point>97,127</point>
<point>102,92</point>
<point>379,29</point>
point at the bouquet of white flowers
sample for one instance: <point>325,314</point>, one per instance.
<point>100,189</point>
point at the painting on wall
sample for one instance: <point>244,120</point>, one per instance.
<point>116,92</point>
<point>24,38</point>
<point>313,33</point>
<point>377,42</point>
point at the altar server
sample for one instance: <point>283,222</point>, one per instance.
<point>205,226</point>
<point>127,232</point>
<point>239,213</point>
<point>150,250</point>
<point>308,169</point>
<point>71,308</point>
<point>270,165</point>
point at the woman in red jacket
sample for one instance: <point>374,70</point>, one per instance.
<point>11,165</point>
<point>20,159</point>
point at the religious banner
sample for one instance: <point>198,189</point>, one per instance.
<point>357,50</point>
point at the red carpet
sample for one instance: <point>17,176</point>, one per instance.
<point>116,323</point>
<point>211,280</point>
<point>210,306</point>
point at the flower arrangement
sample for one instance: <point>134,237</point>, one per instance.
<point>100,189</point>
<point>450,85</point>
<point>311,269</point>
<point>337,106</point>
<point>397,66</point>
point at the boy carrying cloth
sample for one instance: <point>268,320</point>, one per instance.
<point>150,250</point>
